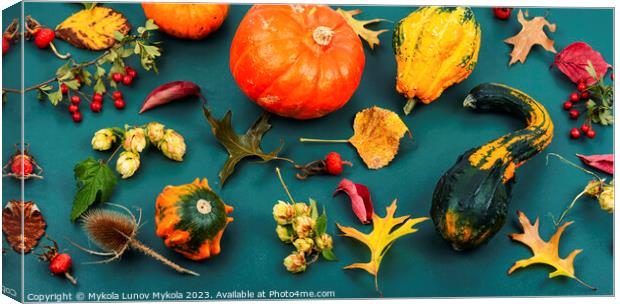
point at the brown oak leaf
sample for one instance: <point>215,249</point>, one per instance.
<point>531,34</point>
<point>33,223</point>
<point>545,252</point>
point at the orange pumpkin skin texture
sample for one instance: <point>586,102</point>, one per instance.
<point>187,21</point>
<point>298,61</point>
<point>191,219</point>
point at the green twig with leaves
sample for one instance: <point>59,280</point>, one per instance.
<point>600,105</point>
<point>73,74</point>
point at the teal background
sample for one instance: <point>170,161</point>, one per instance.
<point>419,265</point>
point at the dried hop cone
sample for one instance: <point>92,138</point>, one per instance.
<point>127,163</point>
<point>295,262</point>
<point>172,145</point>
<point>135,140</point>
<point>283,213</point>
<point>155,132</point>
<point>103,139</point>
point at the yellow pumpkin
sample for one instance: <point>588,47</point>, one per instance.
<point>191,219</point>
<point>187,21</point>
<point>435,47</point>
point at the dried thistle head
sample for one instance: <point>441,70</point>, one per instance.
<point>110,230</point>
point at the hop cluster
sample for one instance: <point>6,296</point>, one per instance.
<point>300,225</point>
<point>134,140</point>
<point>603,192</point>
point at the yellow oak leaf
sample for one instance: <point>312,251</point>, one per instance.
<point>377,134</point>
<point>93,28</point>
<point>531,34</point>
<point>385,230</point>
<point>545,252</point>
<point>359,26</point>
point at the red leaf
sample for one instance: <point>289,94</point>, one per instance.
<point>573,60</point>
<point>360,199</point>
<point>603,162</point>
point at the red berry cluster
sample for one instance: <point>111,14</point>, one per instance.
<point>574,105</point>
<point>126,78</point>
<point>96,104</point>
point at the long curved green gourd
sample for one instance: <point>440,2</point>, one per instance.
<point>470,200</point>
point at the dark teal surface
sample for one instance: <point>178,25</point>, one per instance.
<point>419,265</point>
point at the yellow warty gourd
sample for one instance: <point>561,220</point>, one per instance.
<point>435,47</point>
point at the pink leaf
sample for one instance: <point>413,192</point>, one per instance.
<point>573,60</point>
<point>604,162</point>
<point>360,199</point>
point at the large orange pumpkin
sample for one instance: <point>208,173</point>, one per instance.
<point>187,21</point>
<point>295,60</point>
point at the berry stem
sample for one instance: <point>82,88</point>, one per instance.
<point>55,51</point>
<point>284,185</point>
<point>302,139</point>
<point>84,95</point>
<point>570,206</point>
<point>113,153</point>
<point>574,165</point>
<point>70,278</point>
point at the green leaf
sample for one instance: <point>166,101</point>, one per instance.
<point>150,25</point>
<point>118,36</point>
<point>314,212</point>
<point>590,69</point>
<point>99,86</point>
<point>141,30</point>
<point>89,5</point>
<point>321,224</point>
<point>40,94</point>
<point>328,255</point>
<point>240,146</point>
<point>95,181</point>
<point>126,52</point>
<point>46,87</point>
<point>72,84</point>
<point>55,97</point>
<point>99,72</point>
<point>63,70</point>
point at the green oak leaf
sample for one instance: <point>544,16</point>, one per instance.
<point>240,146</point>
<point>95,181</point>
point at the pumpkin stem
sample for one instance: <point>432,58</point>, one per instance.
<point>410,105</point>
<point>322,35</point>
<point>150,252</point>
<point>302,139</point>
<point>284,185</point>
